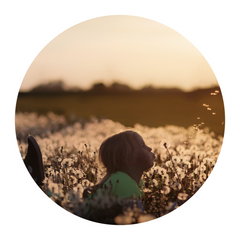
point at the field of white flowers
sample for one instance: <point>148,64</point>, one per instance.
<point>69,152</point>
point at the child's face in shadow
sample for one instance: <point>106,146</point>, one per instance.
<point>145,156</point>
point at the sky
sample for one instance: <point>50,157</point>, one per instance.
<point>127,49</point>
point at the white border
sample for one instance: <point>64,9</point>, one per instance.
<point>63,25</point>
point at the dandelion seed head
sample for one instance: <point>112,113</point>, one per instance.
<point>155,182</point>
<point>123,220</point>
<point>67,162</point>
<point>164,144</point>
<point>194,155</point>
<point>145,218</point>
<point>176,159</point>
<point>165,190</point>
<point>183,196</point>
<point>203,177</point>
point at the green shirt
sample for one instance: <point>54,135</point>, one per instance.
<point>122,185</point>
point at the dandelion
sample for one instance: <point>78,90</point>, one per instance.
<point>194,148</point>
<point>182,170</point>
<point>155,182</point>
<point>67,162</point>
<point>202,167</point>
<point>123,219</point>
<point>164,144</point>
<point>79,188</point>
<point>145,218</point>
<point>196,185</point>
<point>78,173</point>
<point>187,164</point>
<point>177,186</point>
<point>171,206</point>
<point>168,182</point>
<point>73,157</point>
<point>180,148</point>
<point>165,190</point>
<point>183,196</point>
<point>53,186</point>
<point>73,179</point>
<point>147,190</point>
<point>181,174</point>
<point>168,164</point>
<point>161,171</point>
<point>176,159</point>
<point>202,177</point>
<point>86,183</point>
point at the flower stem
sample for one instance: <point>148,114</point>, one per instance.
<point>175,170</point>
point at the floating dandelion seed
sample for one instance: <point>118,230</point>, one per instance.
<point>213,113</point>
<point>216,91</point>
<point>213,94</point>
<point>198,117</point>
<point>205,105</point>
<point>209,109</point>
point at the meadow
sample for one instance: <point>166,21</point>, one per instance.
<point>185,159</point>
<point>150,109</point>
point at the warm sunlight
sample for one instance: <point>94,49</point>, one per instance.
<point>132,50</point>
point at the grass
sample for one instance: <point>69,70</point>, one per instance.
<point>147,109</point>
<point>184,160</point>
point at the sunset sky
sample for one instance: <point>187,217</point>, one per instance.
<point>131,50</point>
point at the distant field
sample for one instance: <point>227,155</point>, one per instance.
<point>150,109</point>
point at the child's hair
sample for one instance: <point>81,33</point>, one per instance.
<point>114,153</point>
<point>116,150</point>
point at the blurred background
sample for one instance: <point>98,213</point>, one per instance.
<point>128,69</point>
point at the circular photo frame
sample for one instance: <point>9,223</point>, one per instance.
<point>170,22</point>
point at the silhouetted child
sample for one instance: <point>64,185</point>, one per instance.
<point>125,156</point>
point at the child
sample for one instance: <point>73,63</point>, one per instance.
<point>125,156</point>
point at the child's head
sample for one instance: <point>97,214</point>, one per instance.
<point>121,150</point>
